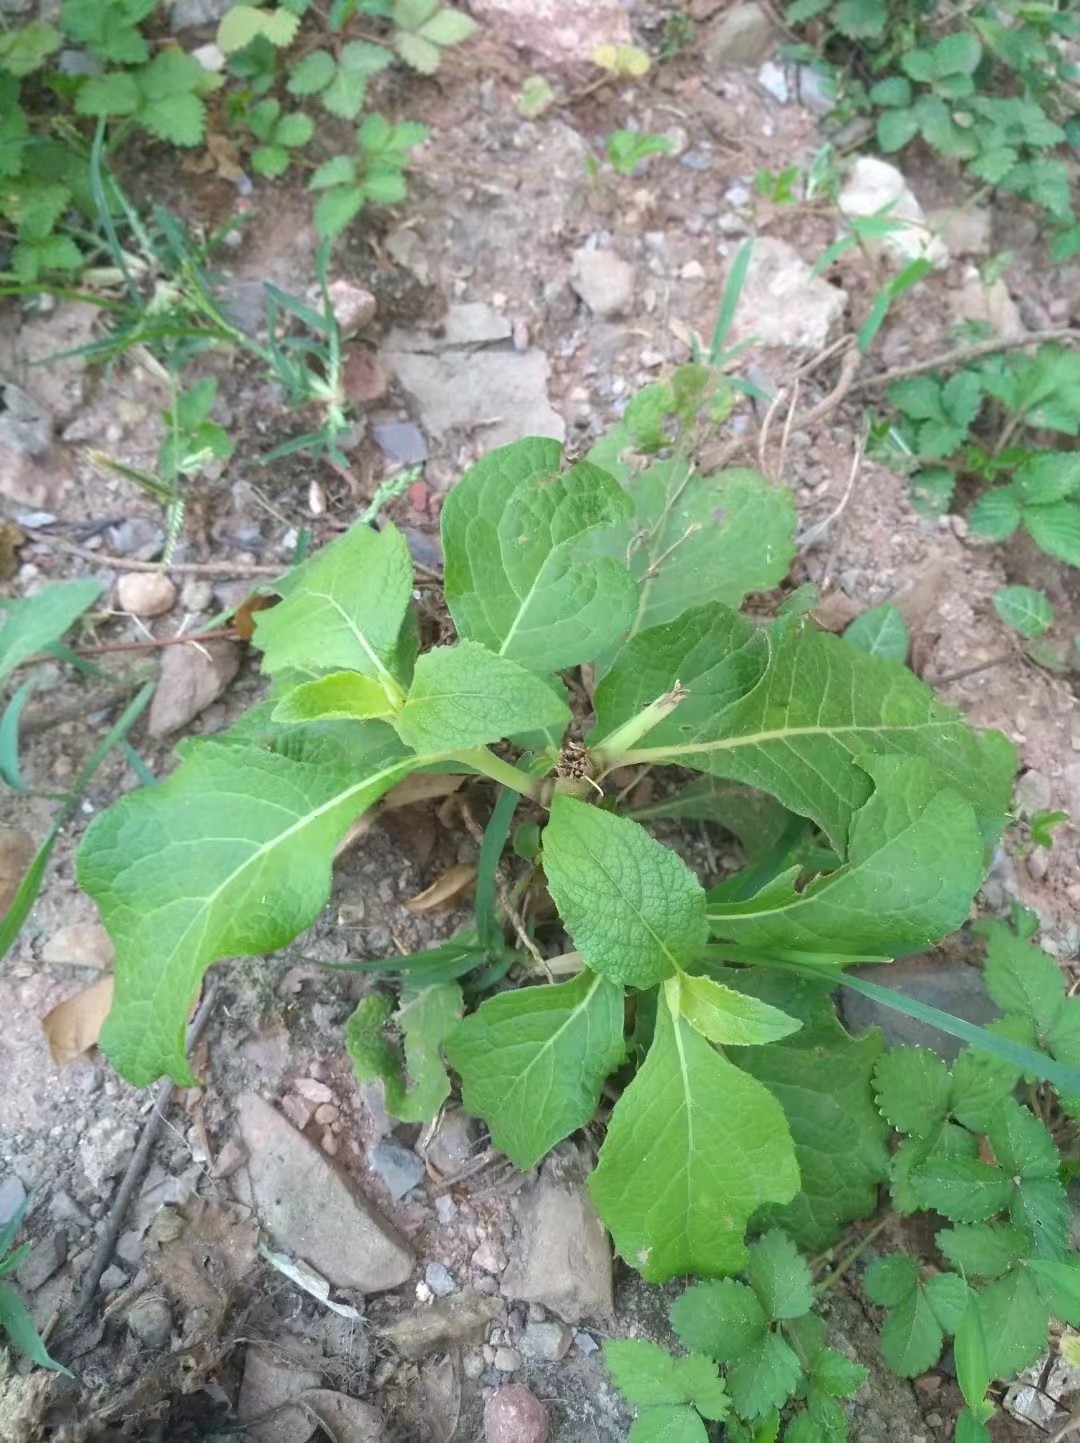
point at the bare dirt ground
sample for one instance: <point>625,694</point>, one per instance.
<point>479,337</point>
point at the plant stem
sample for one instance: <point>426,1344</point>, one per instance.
<point>485,761</point>
<point>838,1272</point>
<point>609,751</point>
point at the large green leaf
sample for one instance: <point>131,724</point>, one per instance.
<point>534,558</point>
<point>700,539</point>
<point>633,907</point>
<point>693,1148</point>
<point>914,863</point>
<point>341,610</point>
<point>34,621</point>
<point>230,856</point>
<point>463,696</point>
<point>790,712</point>
<point>821,1078</point>
<point>533,1061</point>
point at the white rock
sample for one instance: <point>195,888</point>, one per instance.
<point>145,593</point>
<point>557,30</point>
<point>603,280</point>
<point>783,303</point>
<point>742,35</point>
<point>875,187</point>
<point>354,307</point>
<point>965,231</point>
<point>992,304</point>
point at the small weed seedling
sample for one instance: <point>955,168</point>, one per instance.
<point>627,149</point>
<point>16,1322</point>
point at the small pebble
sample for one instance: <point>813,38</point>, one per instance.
<point>150,1321</point>
<point>145,593</point>
<point>112,1279</point>
<point>197,596</point>
<point>445,1209</point>
<point>313,1090</point>
<point>507,1360</point>
<point>514,1415</point>
<point>399,1167</point>
<point>1038,863</point>
<point>546,1342</point>
<point>489,1256</point>
<point>439,1280</point>
<point>586,1343</point>
<point>12,1197</point>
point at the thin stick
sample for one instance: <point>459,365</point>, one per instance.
<point>814,533</point>
<point>949,676</point>
<point>126,563</point>
<point>136,1168</point>
<point>949,360</point>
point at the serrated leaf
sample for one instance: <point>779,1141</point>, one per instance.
<point>179,119</point>
<point>731,1018</point>
<point>914,862</point>
<point>890,1280</point>
<point>244,23</point>
<point>962,1189</point>
<point>894,90</point>
<point>861,19</point>
<point>1047,476</point>
<point>635,910</point>
<point>448,27</point>
<point>384,185</point>
<point>115,94</point>
<point>1021,1143</point>
<point>911,1339</point>
<point>534,565</point>
<point>1025,609</point>
<point>707,1391</point>
<point>836,1374</point>
<point>983,1250</point>
<point>815,706</point>
<point>693,1147</point>
<point>821,1078</point>
<point>533,1061</point>
<point>270,160</point>
<point>1020,977</point>
<point>109,27</point>
<point>895,128</point>
<point>947,1295</point>
<point>463,696</point>
<point>420,54</point>
<point>312,74</point>
<point>358,62</point>
<point>763,1377</point>
<point>229,856</point>
<point>294,130</point>
<point>996,514</point>
<point>719,1319</point>
<point>1041,1208</point>
<point>336,208</point>
<point>338,170</point>
<point>26,49</point>
<point>415,1085</point>
<point>979,1084</point>
<point>913,1087</point>
<point>343,695</point>
<point>668,1425</point>
<point>1015,1321</point>
<point>647,1375</point>
<point>1055,529</point>
<point>342,609</point>
<point>880,631</point>
<point>33,622</point>
<point>780,1276</point>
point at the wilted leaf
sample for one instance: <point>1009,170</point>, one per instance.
<point>74,1025</point>
<point>445,891</point>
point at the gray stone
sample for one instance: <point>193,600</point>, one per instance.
<point>12,1198</point>
<point>311,1211</point>
<point>31,471</point>
<point>448,1323</point>
<point>1033,793</point>
<point>603,280</point>
<point>783,303</point>
<point>104,1149</point>
<point>112,1280</point>
<point>489,1256</point>
<point>966,232</point>
<point>514,1415</point>
<point>399,1167</point>
<point>991,304</point>
<point>150,1321</point>
<point>562,1257</point>
<point>345,1419</point>
<point>191,14</point>
<point>950,986</point>
<point>191,678</point>
<point>445,1209</point>
<point>506,1360</point>
<point>586,1343</point>
<point>743,35</point>
<point>440,1280</point>
<point>474,323</point>
<point>873,186</point>
<point>546,1342</point>
<point>452,1146</point>
<point>401,441</point>
<point>505,391</point>
<point>46,1257</point>
<point>773,79</point>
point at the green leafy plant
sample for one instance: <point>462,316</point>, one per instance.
<point>990,88</point>
<point>986,427</point>
<point>278,136</point>
<point>374,175</point>
<point>340,81</point>
<point>16,1321</point>
<point>1025,609</point>
<point>423,29</point>
<point>627,149</point>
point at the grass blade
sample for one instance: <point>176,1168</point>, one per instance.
<point>729,301</point>
<point>496,834</point>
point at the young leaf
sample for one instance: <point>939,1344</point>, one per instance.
<point>337,206</point>
<point>1015,1322</point>
<point>880,631</point>
<point>911,1338</point>
<point>728,1017</point>
<point>835,1374</point>
<point>693,1148</point>
<point>230,856</point>
<point>1022,978</point>
<point>983,1250</point>
<point>35,621</point>
<point>426,1019</point>
<point>647,1375</point>
<point>780,1276</point>
<point>764,1377</point>
<point>720,1319</point>
<point>971,1353</point>
<point>668,1424</point>
<point>1055,529</point>
<point>914,863</point>
<point>635,910</point>
<point>244,23</point>
<point>818,706</point>
<point>18,1326</point>
<point>463,696</point>
<point>358,62</point>
<point>962,1189</point>
<point>1025,609</point>
<point>533,1061</point>
<point>343,695</point>
<point>534,565</point>
<point>342,609</point>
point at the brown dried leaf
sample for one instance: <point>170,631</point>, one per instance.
<point>445,891</point>
<point>345,1419</point>
<point>226,157</point>
<point>421,787</point>
<point>201,1252</point>
<point>74,1025</point>
<point>243,622</point>
<point>11,538</point>
<point>16,853</point>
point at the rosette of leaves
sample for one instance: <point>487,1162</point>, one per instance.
<point>278,135</point>
<point>375,174</point>
<point>740,1090</point>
